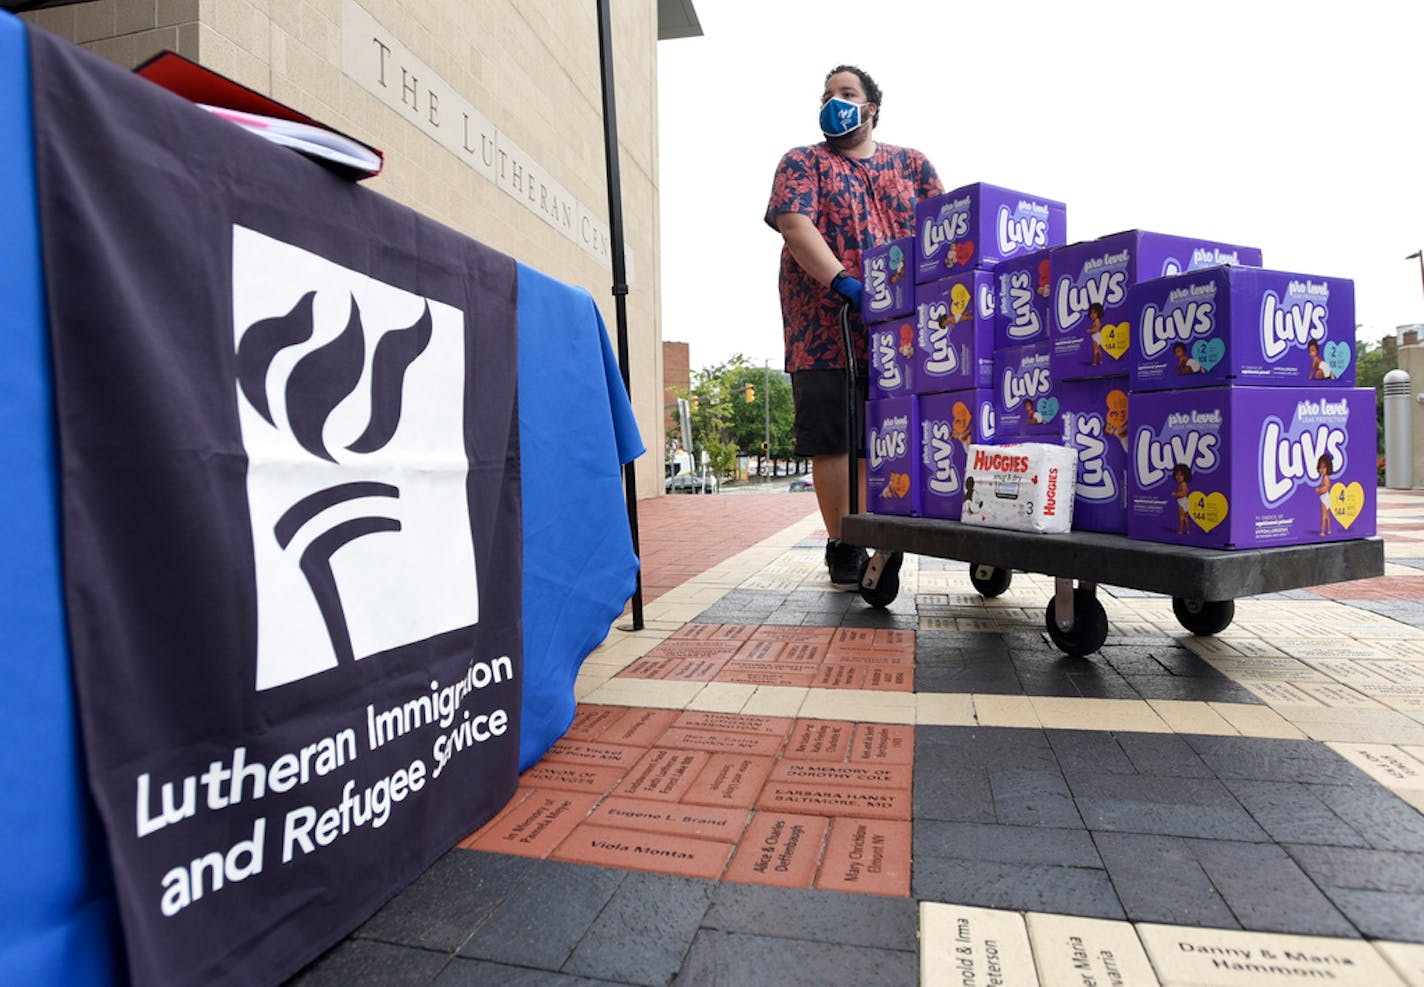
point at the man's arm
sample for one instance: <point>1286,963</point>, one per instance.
<point>808,247</point>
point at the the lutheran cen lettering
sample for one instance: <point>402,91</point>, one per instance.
<point>376,59</point>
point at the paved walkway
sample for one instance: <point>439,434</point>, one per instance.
<point>774,784</point>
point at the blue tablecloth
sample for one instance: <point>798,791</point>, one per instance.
<point>58,922</point>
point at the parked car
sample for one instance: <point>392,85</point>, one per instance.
<point>802,483</point>
<point>691,483</point>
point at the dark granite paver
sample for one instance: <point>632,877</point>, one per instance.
<point>815,916</point>
<point>1163,806</point>
<point>448,902</point>
<point>545,917</point>
<point>740,958</point>
<point>1158,879</point>
<point>644,931</point>
<point>479,973</point>
<point>367,963</point>
<point>1266,890</point>
<point>1290,812</point>
<point>1025,887</point>
<point>1005,844</point>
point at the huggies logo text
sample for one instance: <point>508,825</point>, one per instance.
<point>939,457</point>
<point>889,442</point>
<point>1287,460</point>
<point>1154,458</point>
<point>1094,482</point>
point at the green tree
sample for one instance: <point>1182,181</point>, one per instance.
<point>1372,362</point>
<point>724,423</point>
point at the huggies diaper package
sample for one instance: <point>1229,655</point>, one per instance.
<point>888,280</point>
<point>1094,413</point>
<point>954,333</point>
<point>1247,467</point>
<point>892,364</point>
<point>949,424</point>
<point>1026,402</point>
<point>1242,325</point>
<point>981,225</point>
<point>1027,486</point>
<point>1089,316</point>
<point>892,464</point>
<point>1021,300</point>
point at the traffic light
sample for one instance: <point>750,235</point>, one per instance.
<point>751,394</point>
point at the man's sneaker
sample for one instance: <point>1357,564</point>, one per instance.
<point>844,562</point>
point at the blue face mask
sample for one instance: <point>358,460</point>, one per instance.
<point>839,116</point>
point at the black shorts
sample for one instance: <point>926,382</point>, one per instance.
<point>820,400</point>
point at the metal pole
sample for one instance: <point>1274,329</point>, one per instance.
<point>1420,255</point>
<point>766,402</point>
<point>620,283</point>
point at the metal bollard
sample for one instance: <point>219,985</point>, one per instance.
<point>1398,431</point>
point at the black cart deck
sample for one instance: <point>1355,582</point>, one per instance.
<point>1176,570</point>
<point>1204,583</point>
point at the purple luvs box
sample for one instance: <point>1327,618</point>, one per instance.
<point>1248,467</point>
<point>1089,318</point>
<point>1021,297</point>
<point>981,225</point>
<point>1094,415</point>
<point>888,284</point>
<point>892,463</point>
<point>949,424</point>
<point>954,333</point>
<point>1026,402</point>
<point>1242,325</point>
<point>892,363</point>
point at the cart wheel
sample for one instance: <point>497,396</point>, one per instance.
<point>880,578</point>
<point>1090,625</point>
<point>988,580</point>
<point>1204,616</point>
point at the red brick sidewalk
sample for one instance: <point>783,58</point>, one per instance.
<point>685,535</point>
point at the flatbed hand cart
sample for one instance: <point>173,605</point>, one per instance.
<point>1203,583</point>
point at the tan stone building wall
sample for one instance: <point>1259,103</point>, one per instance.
<point>489,113</point>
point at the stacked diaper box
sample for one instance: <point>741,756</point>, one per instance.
<point>1246,430</point>
<point>1090,332</point>
<point>940,351</point>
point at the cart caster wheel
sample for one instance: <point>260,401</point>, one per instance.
<point>988,580</point>
<point>1204,616</point>
<point>880,578</point>
<point>1090,625</point>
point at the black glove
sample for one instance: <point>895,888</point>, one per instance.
<point>848,288</point>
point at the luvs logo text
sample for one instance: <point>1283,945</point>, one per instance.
<point>1094,482</point>
<point>889,442</point>
<point>1018,302</point>
<point>950,225</point>
<point>1154,459</point>
<point>940,446</point>
<point>1108,288</point>
<point>1288,460</point>
<point>888,368</point>
<point>1025,385</point>
<point>1020,232</point>
<point>1161,329</point>
<point>1284,326</point>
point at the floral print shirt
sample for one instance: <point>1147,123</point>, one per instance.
<point>856,203</point>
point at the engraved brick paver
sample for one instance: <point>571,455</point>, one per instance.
<point>663,774</point>
<point>533,824</point>
<point>819,740</point>
<point>729,780</point>
<point>636,850</point>
<point>779,849</point>
<point>707,822</point>
<point>870,856</point>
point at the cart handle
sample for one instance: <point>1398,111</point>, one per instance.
<point>853,413</point>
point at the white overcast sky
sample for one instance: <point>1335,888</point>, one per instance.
<point>1290,126</point>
